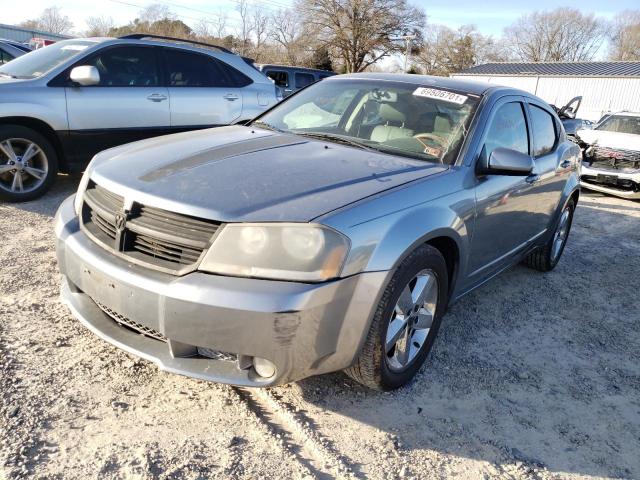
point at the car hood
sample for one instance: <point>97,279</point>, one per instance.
<point>250,174</point>
<point>623,141</point>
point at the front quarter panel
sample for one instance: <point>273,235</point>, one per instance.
<point>386,228</point>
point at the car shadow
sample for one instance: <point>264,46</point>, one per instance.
<point>537,368</point>
<point>48,204</point>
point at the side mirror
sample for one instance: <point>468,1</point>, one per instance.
<point>504,161</point>
<point>85,75</point>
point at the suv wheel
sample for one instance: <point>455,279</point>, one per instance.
<point>405,323</point>
<point>28,164</point>
<point>546,257</point>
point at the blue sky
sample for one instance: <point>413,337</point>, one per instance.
<point>490,16</point>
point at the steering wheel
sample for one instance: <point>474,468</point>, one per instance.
<point>440,141</point>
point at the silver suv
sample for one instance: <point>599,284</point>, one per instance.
<point>62,104</point>
<point>330,233</point>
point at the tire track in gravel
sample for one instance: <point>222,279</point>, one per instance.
<point>295,433</point>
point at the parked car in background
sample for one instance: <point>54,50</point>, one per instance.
<point>62,104</point>
<point>10,50</point>
<point>291,79</point>
<point>611,162</point>
<point>262,254</point>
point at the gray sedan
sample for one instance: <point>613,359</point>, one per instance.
<point>331,233</point>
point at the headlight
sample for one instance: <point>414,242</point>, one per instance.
<point>283,251</point>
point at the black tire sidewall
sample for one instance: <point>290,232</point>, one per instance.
<point>18,131</point>
<point>431,260</point>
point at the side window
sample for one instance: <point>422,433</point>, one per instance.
<point>544,131</point>
<point>304,79</point>
<point>186,69</point>
<point>126,67</point>
<point>281,78</point>
<point>508,129</point>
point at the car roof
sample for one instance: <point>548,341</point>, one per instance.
<point>469,86</point>
<point>293,67</point>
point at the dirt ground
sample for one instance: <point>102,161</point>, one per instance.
<point>533,376</point>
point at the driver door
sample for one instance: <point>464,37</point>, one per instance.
<point>507,217</point>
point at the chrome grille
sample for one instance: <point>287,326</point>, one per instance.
<point>127,322</point>
<point>149,236</point>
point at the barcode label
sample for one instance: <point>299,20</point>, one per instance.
<point>440,95</point>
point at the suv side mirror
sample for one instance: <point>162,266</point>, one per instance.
<point>504,161</point>
<point>85,75</point>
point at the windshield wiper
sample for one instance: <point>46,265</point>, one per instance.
<point>6,75</point>
<point>336,138</point>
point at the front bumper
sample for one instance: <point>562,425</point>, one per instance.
<point>304,329</point>
<point>589,178</point>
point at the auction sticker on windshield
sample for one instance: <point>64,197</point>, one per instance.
<point>440,95</point>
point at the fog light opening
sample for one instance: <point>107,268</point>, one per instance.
<point>264,367</point>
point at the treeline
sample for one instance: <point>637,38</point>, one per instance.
<point>355,35</point>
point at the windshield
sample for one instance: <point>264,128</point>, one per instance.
<point>392,117</point>
<point>621,124</point>
<point>37,63</point>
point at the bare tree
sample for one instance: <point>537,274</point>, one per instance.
<point>155,13</point>
<point>360,32</point>
<point>50,20</point>
<point>286,31</point>
<point>447,51</point>
<point>245,29</point>
<point>99,26</point>
<point>625,36</point>
<point>563,34</point>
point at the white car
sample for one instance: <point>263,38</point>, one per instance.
<point>611,162</point>
<point>62,104</point>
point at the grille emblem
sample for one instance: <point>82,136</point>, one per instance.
<point>121,220</point>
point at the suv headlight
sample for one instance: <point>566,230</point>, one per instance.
<point>284,251</point>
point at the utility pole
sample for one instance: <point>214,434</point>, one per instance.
<point>407,41</point>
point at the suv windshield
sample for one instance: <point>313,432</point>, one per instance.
<point>621,124</point>
<point>39,62</point>
<point>392,117</point>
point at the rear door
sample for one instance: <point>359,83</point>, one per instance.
<point>204,91</point>
<point>128,104</point>
<point>552,172</point>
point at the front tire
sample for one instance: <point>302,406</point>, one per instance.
<point>545,258</point>
<point>405,323</point>
<point>28,164</point>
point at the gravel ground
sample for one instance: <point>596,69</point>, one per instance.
<point>533,376</point>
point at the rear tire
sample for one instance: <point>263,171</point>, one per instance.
<point>28,164</point>
<point>385,363</point>
<point>545,258</point>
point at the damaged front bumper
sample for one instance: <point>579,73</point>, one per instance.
<point>611,170</point>
<point>212,327</point>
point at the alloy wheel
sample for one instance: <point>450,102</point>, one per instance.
<point>411,320</point>
<point>23,165</point>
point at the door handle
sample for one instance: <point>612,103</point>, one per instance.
<point>533,178</point>
<point>231,97</point>
<point>157,97</point>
